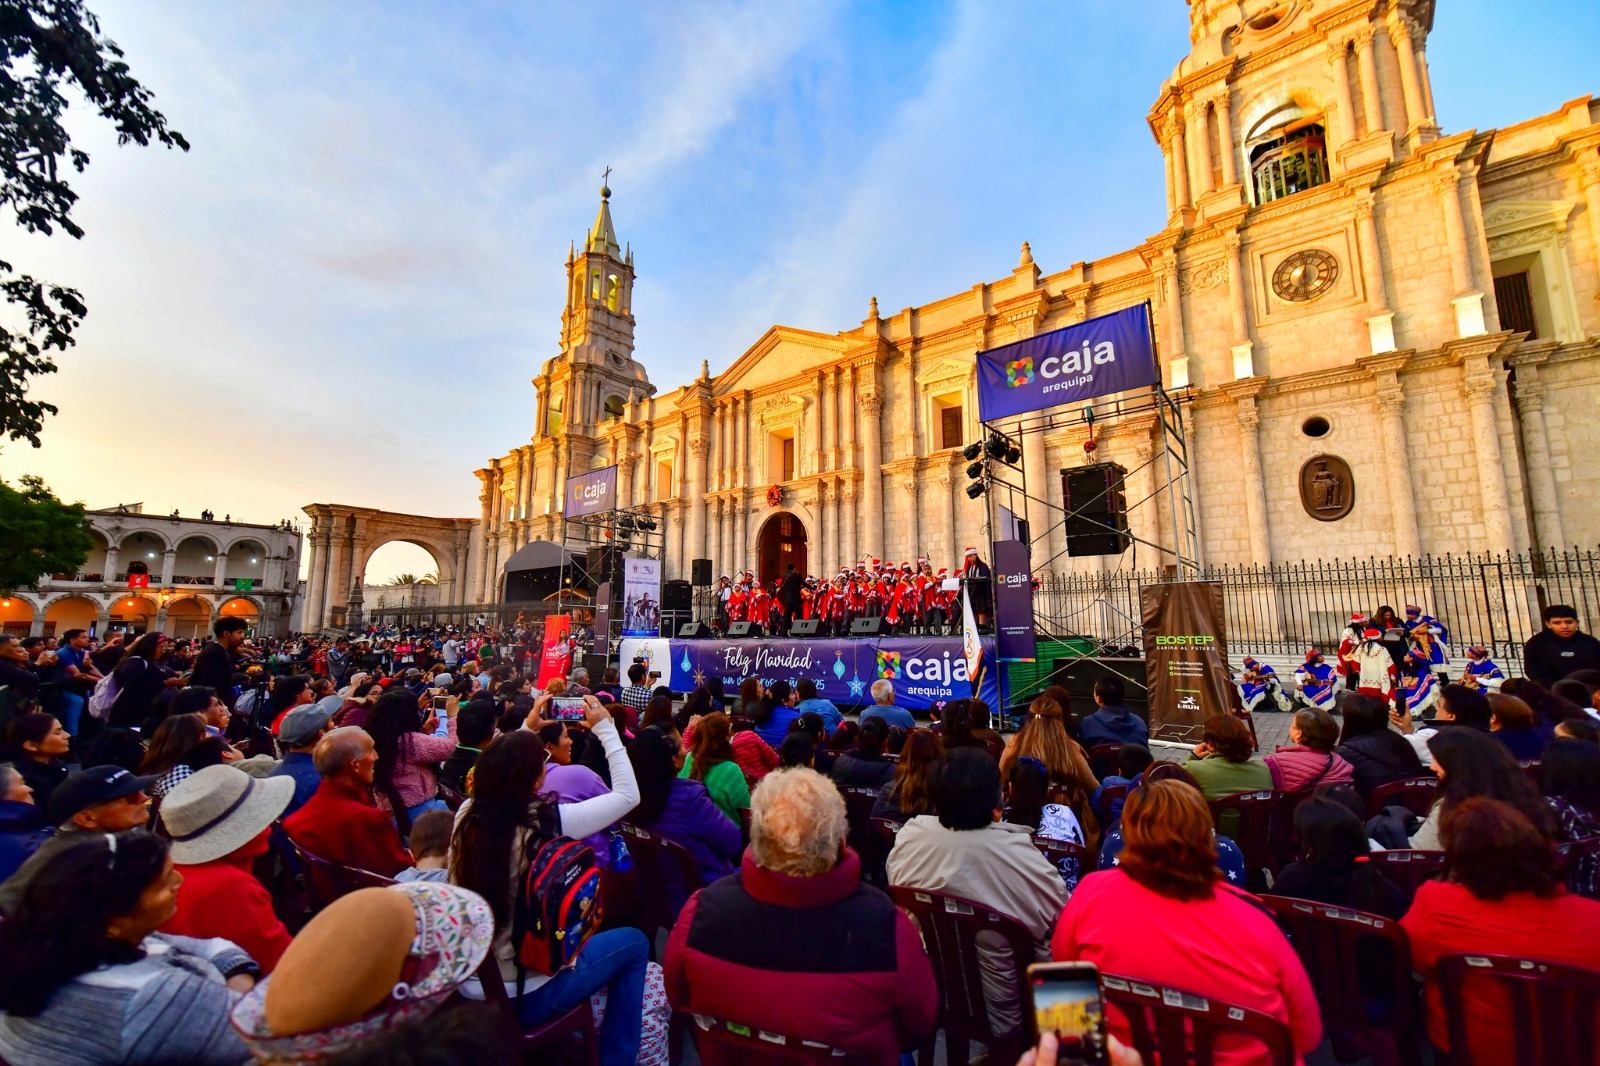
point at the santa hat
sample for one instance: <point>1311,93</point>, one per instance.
<point>1312,655</point>
<point>922,560</point>
<point>905,566</point>
<point>970,551</point>
<point>1357,618</point>
<point>943,572</point>
<point>1372,634</point>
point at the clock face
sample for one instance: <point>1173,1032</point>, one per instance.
<point>1305,275</point>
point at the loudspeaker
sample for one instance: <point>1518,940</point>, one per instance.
<point>693,631</point>
<point>1097,511</point>
<point>700,573</point>
<point>603,564</point>
<point>744,629</point>
<point>867,627</point>
<point>804,627</point>
<point>596,665</point>
<point>1078,676</point>
<point>677,596</point>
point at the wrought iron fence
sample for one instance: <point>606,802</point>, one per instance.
<point>1282,608</point>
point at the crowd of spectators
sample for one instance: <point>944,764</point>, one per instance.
<point>157,862</point>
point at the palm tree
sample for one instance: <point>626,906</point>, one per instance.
<point>430,578</point>
<point>403,579</point>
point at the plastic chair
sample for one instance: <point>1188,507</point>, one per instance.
<point>579,1019</point>
<point>949,926</point>
<point>1571,856</point>
<point>1285,845</point>
<point>886,829</point>
<point>1103,760</point>
<point>1252,830</point>
<point>653,855</point>
<point>1415,794</point>
<point>1408,868</point>
<point>1108,794</point>
<point>1072,860</point>
<point>327,880</point>
<point>1553,1008</point>
<point>1342,951</point>
<point>858,804</point>
<point>1177,1028</point>
<point>739,723</point>
<point>746,1044</point>
<point>452,798</point>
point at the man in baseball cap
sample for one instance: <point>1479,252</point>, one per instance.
<point>299,733</point>
<point>101,799</point>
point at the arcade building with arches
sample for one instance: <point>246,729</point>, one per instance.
<point>1341,289</point>
<point>185,574</point>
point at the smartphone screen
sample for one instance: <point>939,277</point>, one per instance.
<point>1066,1000</point>
<point>567,709</point>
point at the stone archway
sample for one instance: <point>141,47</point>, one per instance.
<point>781,542</point>
<point>343,539</point>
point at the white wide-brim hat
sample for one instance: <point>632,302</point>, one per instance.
<point>218,810</point>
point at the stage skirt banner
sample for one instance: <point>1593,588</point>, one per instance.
<point>1013,602</point>
<point>591,493</point>
<point>555,659</point>
<point>1105,355</point>
<point>926,671</point>
<point>641,597</point>
<point>1185,652</point>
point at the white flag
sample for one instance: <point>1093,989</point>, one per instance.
<point>971,646</point>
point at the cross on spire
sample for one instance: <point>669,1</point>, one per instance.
<point>606,177</point>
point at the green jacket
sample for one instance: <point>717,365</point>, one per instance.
<point>1220,778</point>
<point>726,783</point>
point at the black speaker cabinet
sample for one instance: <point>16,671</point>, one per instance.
<point>744,629</point>
<point>677,596</point>
<point>1097,510</point>
<point>596,665</point>
<point>603,564</point>
<point>867,627</point>
<point>804,627</point>
<point>1078,676</point>
<point>700,573</point>
<point>693,631</point>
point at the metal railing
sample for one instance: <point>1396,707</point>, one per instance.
<point>1283,608</point>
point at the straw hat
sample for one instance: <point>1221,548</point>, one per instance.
<point>215,811</point>
<point>368,962</point>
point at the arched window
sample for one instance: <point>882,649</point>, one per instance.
<point>1288,161</point>
<point>594,285</point>
<point>552,422</point>
<point>613,407</point>
<point>613,292</point>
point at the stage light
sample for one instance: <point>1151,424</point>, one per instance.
<point>972,451</point>
<point>995,446</point>
<point>1013,454</point>
<point>974,490</point>
<point>975,470</point>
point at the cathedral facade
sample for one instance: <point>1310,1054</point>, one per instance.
<point>1339,282</point>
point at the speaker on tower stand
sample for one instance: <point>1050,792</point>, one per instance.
<point>603,564</point>
<point>1097,510</point>
<point>700,573</point>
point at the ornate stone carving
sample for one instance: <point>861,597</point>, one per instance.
<point>1327,488</point>
<point>1533,235</point>
<point>872,405</point>
<point>1209,275</point>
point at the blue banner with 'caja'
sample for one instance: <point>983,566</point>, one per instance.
<point>926,672</point>
<point>1105,355</point>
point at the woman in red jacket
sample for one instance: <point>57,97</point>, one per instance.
<point>219,819</point>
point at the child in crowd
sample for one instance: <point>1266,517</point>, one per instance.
<point>430,844</point>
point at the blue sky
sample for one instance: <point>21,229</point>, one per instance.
<point>341,293</point>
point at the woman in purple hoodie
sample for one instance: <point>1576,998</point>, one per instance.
<point>681,810</point>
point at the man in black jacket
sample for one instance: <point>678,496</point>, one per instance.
<point>789,596</point>
<point>217,661</point>
<point>1559,648</point>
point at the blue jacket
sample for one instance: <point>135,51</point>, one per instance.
<point>22,830</point>
<point>777,727</point>
<point>891,714</point>
<point>1114,725</point>
<point>830,714</point>
<point>691,819</point>
<point>298,765</point>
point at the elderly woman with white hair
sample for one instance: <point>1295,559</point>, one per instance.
<point>769,946</point>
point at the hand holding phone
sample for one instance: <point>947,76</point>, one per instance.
<point>567,709</point>
<point>1064,1000</point>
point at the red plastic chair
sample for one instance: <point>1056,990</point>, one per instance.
<point>653,855</point>
<point>1415,794</point>
<point>579,1020</point>
<point>1532,769</point>
<point>326,880</point>
<point>950,926</point>
<point>1108,794</point>
<point>1342,951</point>
<point>1408,868</point>
<point>746,1044</point>
<point>1062,854</point>
<point>1252,830</point>
<point>858,804</point>
<point>1554,1009</point>
<point>1178,1028</point>
<point>1103,760</point>
<point>886,829</point>
<point>1285,844</point>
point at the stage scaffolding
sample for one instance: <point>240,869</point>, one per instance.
<point>629,533</point>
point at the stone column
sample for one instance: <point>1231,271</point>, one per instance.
<point>1536,446</point>
<point>835,551</point>
<point>698,450</point>
<point>1371,252</point>
<point>480,582</point>
<point>1180,161</point>
<point>1370,102</point>
<point>1410,82</point>
<point>848,421</point>
<point>1230,165</point>
<point>947,484</point>
<point>1233,243</point>
<point>871,521</point>
<point>1339,72</point>
<point>1396,462</point>
<point>625,466</point>
<point>741,547</point>
<point>741,444</point>
<point>1478,387</point>
<point>1169,268</point>
<point>113,553</point>
<point>1172,187</point>
<point>912,487</point>
<point>1253,483</point>
<point>222,569</point>
<point>1420,45</point>
<point>1589,178</point>
<point>813,427</point>
<point>1038,478</point>
<point>1200,144</point>
<point>168,558</point>
<point>831,398</point>
<point>1467,302</point>
<point>850,523</point>
<point>316,575</point>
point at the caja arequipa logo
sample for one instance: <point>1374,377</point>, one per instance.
<point>889,665</point>
<point>1019,372</point>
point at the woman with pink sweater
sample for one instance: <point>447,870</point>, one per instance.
<point>411,742</point>
<point>1309,761</point>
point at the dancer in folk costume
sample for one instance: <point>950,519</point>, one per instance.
<point>1376,674</point>
<point>1348,668</point>
<point>1415,617</point>
<point>889,592</point>
<point>1421,693</point>
<point>1428,653</point>
<point>1481,671</point>
<point>1260,689</point>
<point>738,602</point>
<point>1315,678</point>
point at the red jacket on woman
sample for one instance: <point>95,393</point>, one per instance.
<point>823,958</point>
<point>224,898</point>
